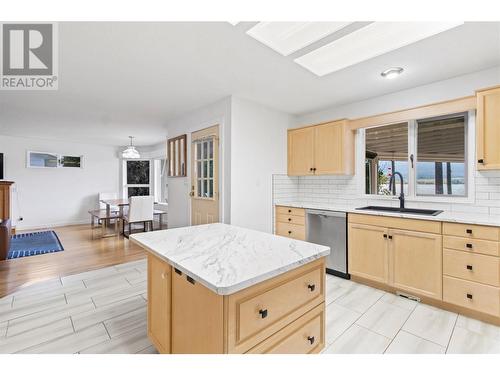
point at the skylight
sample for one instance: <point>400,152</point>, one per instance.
<point>370,41</point>
<point>289,37</point>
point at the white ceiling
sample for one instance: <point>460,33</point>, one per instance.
<point>120,79</point>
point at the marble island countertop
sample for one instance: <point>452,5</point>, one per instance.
<point>226,258</point>
<point>448,216</point>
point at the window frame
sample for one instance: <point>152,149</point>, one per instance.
<point>59,156</point>
<point>469,132</point>
<point>126,186</point>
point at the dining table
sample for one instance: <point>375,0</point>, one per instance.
<point>121,203</point>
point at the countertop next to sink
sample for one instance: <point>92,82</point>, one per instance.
<point>448,216</point>
<point>226,258</point>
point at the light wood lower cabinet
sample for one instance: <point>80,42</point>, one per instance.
<point>416,262</point>
<point>409,261</point>
<point>305,335</point>
<point>474,296</point>
<point>186,317</point>
<point>159,303</point>
<point>290,222</point>
<point>368,252</point>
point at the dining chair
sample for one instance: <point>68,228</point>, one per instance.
<point>141,210</point>
<point>106,196</point>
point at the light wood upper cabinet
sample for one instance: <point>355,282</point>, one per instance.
<point>321,149</point>
<point>416,262</point>
<point>301,151</point>
<point>368,252</point>
<point>488,129</point>
<point>159,299</point>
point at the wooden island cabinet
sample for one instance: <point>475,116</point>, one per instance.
<point>261,309</point>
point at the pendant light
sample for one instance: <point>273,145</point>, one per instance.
<point>130,152</point>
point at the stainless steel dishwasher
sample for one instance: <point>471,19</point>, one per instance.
<point>329,228</point>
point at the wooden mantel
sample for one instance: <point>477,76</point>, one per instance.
<point>5,199</point>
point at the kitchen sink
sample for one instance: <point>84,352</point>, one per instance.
<point>414,211</point>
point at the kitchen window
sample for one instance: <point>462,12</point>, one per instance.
<point>430,154</point>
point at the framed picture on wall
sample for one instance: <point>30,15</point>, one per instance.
<point>176,155</point>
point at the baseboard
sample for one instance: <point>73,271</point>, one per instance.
<point>20,227</point>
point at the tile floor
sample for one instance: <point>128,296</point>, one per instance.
<point>104,311</point>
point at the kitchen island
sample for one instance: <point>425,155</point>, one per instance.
<point>218,288</point>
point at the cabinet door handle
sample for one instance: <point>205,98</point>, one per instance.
<point>190,279</point>
<point>469,245</point>
<point>480,161</point>
<point>263,313</point>
<point>385,235</point>
<point>289,219</point>
<point>469,296</point>
<point>310,339</point>
<point>310,169</point>
<point>311,287</point>
<point>289,211</point>
<point>468,231</point>
<point>469,267</point>
<point>178,272</point>
<point>390,237</point>
<point>289,232</point>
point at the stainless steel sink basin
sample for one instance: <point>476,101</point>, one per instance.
<point>414,211</point>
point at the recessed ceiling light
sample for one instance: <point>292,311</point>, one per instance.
<point>391,73</point>
<point>288,37</point>
<point>370,41</point>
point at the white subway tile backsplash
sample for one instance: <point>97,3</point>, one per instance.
<point>342,191</point>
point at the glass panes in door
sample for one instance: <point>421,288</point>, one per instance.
<point>204,168</point>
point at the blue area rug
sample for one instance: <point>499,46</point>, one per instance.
<point>36,243</point>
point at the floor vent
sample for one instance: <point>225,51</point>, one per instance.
<point>408,296</point>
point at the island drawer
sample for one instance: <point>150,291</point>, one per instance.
<point>284,210</point>
<point>474,296</point>
<point>297,232</point>
<point>471,245</point>
<point>472,231</point>
<point>305,335</point>
<point>474,267</point>
<point>292,219</point>
<point>260,311</point>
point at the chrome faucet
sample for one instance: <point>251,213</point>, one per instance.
<point>402,195</point>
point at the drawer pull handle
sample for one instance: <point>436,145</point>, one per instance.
<point>312,287</point>
<point>311,339</point>
<point>480,161</point>
<point>289,219</point>
<point>289,211</point>
<point>469,245</point>
<point>263,313</point>
<point>190,279</point>
<point>469,296</point>
<point>289,232</point>
<point>469,267</point>
<point>469,231</point>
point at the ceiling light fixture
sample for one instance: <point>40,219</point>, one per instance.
<point>368,42</point>
<point>392,73</point>
<point>130,152</point>
<point>289,37</point>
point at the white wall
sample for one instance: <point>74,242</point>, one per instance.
<point>179,204</point>
<point>51,197</point>
<point>453,88</point>
<point>258,150</point>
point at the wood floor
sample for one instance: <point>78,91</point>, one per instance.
<point>81,253</point>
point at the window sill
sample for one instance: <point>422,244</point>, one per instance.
<point>443,200</point>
